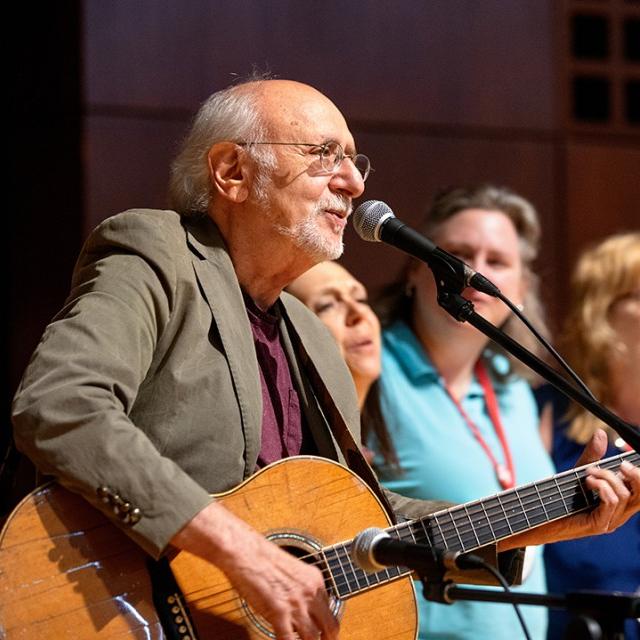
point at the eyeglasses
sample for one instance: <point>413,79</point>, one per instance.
<point>331,155</point>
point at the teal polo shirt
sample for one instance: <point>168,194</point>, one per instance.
<point>441,459</point>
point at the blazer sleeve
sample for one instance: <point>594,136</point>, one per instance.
<point>71,410</point>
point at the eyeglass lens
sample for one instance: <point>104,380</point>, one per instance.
<point>333,155</point>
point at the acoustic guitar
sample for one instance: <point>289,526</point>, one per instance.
<point>67,572</point>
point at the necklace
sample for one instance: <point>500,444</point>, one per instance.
<point>505,473</point>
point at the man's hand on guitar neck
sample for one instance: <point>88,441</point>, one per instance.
<point>287,592</point>
<point>619,495</point>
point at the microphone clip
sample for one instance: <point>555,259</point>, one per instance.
<point>453,303</point>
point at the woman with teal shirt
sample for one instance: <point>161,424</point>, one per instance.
<point>426,426</point>
<point>446,441</point>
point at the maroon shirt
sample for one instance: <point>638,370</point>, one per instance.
<point>283,432</point>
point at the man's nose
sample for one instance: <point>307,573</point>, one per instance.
<point>348,179</point>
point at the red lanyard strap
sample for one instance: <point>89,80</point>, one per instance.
<point>504,472</point>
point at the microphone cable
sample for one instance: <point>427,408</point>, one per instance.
<point>501,579</point>
<point>545,343</point>
<point>478,562</point>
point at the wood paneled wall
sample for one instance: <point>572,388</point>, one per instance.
<point>437,93</point>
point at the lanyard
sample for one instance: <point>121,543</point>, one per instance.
<point>504,472</point>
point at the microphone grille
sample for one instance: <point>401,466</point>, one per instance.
<point>362,548</point>
<point>367,218</point>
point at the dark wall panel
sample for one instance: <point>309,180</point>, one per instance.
<point>436,93</point>
<point>460,61</point>
<point>128,161</point>
<point>603,194</point>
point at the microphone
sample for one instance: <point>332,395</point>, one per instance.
<point>373,549</point>
<point>374,221</point>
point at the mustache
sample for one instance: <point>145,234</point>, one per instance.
<point>337,202</point>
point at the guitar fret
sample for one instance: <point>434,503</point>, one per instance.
<point>534,506</point>
<point>455,528</point>
<point>326,571</point>
<point>506,516</point>
<point>472,519</point>
<point>480,521</point>
<point>493,533</point>
<point>564,504</point>
<point>369,578</point>
<point>413,537</point>
<point>466,511</point>
<point>428,531</point>
<point>584,495</point>
<point>437,523</point>
<point>525,517</point>
<point>423,523</point>
<point>359,576</point>
<point>347,582</point>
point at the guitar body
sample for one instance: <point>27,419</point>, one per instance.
<point>67,572</point>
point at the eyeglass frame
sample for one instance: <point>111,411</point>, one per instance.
<point>322,146</point>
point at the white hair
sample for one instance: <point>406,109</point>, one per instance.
<point>231,114</point>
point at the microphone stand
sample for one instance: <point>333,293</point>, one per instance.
<point>595,615</point>
<point>451,281</point>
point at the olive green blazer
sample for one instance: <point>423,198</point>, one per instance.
<point>146,383</point>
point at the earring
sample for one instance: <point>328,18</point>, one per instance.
<point>409,290</point>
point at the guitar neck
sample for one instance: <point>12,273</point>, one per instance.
<point>475,524</point>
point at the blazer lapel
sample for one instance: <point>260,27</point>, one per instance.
<point>215,273</point>
<point>331,369</point>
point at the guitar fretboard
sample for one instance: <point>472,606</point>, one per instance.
<point>472,525</point>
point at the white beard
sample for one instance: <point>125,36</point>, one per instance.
<point>307,234</point>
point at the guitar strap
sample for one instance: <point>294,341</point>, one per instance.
<point>338,427</point>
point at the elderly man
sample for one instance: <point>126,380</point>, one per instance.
<point>171,373</point>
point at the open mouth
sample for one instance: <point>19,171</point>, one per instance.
<point>360,345</point>
<point>339,218</point>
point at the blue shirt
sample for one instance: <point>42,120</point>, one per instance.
<point>441,459</point>
<point>603,563</point>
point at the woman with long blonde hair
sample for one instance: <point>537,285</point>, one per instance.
<point>602,341</point>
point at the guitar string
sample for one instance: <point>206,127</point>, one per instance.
<point>551,509</point>
<point>534,494</point>
<point>569,480</point>
<point>341,555</point>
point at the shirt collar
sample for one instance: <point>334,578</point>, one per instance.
<point>401,341</point>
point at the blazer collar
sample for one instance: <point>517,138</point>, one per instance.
<point>215,273</point>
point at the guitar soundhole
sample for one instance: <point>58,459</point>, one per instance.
<point>306,549</point>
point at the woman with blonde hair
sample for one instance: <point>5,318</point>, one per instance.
<point>602,341</point>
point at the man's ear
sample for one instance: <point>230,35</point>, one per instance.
<point>229,171</point>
